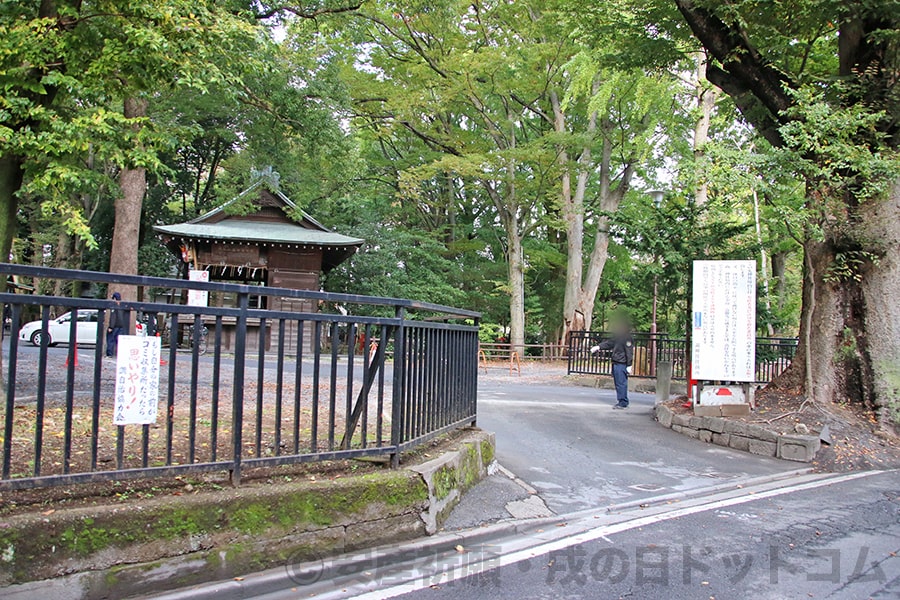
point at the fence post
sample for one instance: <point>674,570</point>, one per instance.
<point>476,347</point>
<point>237,411</point>
<point>663,380</point>
<point>399,391</point>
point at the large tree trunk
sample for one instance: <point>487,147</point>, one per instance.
<point>11,175</point>
<point>706,104</point>
<point>126,235</point>
<point>515,258</point>
<point>881,302</point>
<point>853,325</point>
<point>516,264</point>
<point>582,285</point>
<point>779,270</point>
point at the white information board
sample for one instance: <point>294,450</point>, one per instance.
<point>724,327</point>
<point>137,380</point>
<point>198,297</point>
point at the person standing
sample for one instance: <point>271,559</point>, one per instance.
<point>118,324</point>
<point>622,356</point>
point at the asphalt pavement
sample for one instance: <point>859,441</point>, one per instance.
<point>569,444</point>
<point>836,541</point>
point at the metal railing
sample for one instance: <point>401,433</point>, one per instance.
<point>274,388</point>
<point>773,355</point>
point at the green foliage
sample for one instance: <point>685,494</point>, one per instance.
<point>842,148</point>
<point>427,129</point>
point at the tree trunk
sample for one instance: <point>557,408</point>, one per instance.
<point>706,103</point>
<point>853,325</point>
<point>11,175</point>
<point>126,234</point>
<point>582,286</point>
<point>516,264</point>
<point>779,269</point>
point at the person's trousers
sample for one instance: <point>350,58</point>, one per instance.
<point>620,378</point>
<point>112,340</point>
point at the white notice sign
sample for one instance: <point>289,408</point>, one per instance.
<point>137,380</point>
<point>724,328</point>
<point>198,297</point>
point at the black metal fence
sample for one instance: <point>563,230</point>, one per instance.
<point>273,388</point>
<point>773,355</point>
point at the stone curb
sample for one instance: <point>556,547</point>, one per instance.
<point>278,580</point>
<point>746,437</point>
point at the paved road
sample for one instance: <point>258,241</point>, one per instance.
<point>837,541</point>
<point>578,453</point>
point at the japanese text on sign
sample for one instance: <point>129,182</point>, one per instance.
<point>198,297</point>
<point>724,320</point>
<point>137,380</point>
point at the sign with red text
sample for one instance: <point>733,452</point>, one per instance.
<point>724,320</point>
<point>137,380</point>
<point>198,297</point>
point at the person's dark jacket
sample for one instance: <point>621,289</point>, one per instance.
<point>118,317</point>
<point>622,347</point>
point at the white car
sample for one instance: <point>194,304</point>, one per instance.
<point>58,329</point>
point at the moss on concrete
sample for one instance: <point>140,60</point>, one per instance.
<point>445,481</point>
<point>487,452</point>
<point>29,543</point>
<point>470,467</point>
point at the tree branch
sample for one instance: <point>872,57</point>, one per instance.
<point>305,14</point>
<point>759,89</point>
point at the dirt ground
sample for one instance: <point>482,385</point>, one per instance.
<point>210,416</point>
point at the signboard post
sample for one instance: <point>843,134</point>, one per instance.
<point>724,329</point>
<point>137,380</point>
<point>198,297</point>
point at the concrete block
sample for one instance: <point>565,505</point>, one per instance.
<point>664,415</point>
<point>739,442</point>
<point>735,410</point>
<point>714,424</point>
<point>663,380</point>
<point>761,433</point>
<point>721,439</point>
<point>682,420</point>
<point>360,535</point>
<point>763,448</point>
<point>705,435</point>
<point>691,433</point>
<point>800,448</point>
<point>707,411</point>
<point>735,427</point>
<point>696,423</point>
<point>677,428</point>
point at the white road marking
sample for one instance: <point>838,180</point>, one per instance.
<point>597,534</point>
